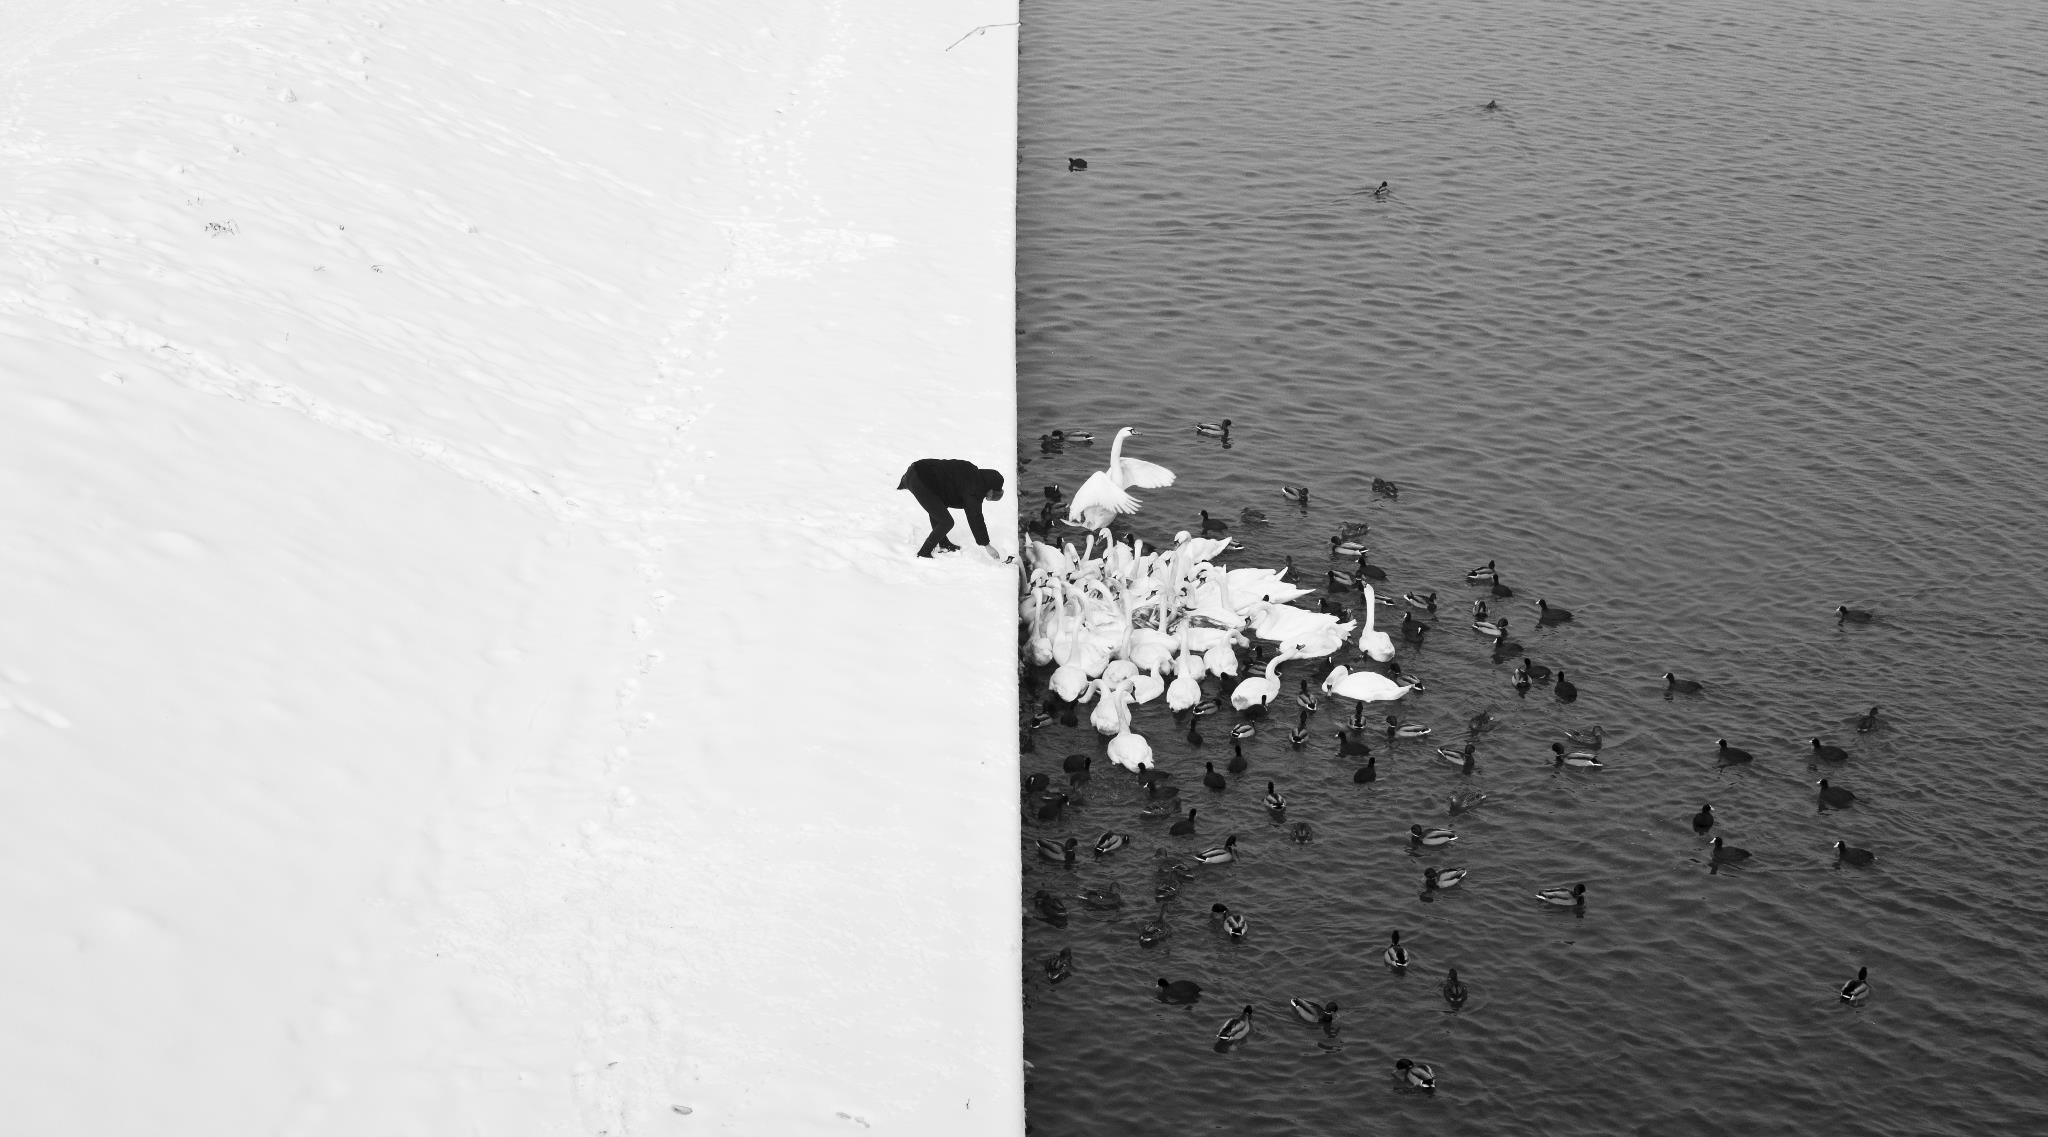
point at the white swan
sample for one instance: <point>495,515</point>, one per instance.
<point>1102,497</point>
<point>1186,689</point>
<point>1111,710</point>
<point>1377,645</point>
<point>1259,690</point>
<point>1129,750</point>
<point>1146,686</point>
<point>1369,687</point>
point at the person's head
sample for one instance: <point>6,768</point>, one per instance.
<point>992,485</point>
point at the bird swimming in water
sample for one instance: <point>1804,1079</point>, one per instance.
<point>1731,755</point>
<point>1110,842</point>
<point>1853,855</point>
<point>1298,737</point>
<point>1728,854</point>
<point>1076,164</point>
<point>1563,757</point>
<point>1184,826</point>
<point>1416,1075</point>
<point>1521,682</point>
<point>1345,547</point>
<point>1847,615</point>
<point>1548,615</point>
<point>1858,989</point>
<point>1316,1014</point>
<point>1274,799</point>
<point>1050,908</point>
<point>1537,672</point>
<point>1213,429</point>
<point>1434,879</point>
<point>1382,191</point>
<point>1396,955</point>
<point>1235,1029</point>
<point>1213,524</point>
<point>1365,773</point>
<point>1868,722</point>
<point>1238,763</point>
<point>1704,819</point>
<point>1060,966</point>
<point>1673,684</point>
<point>1385,488</point>
<point>1500,591</point>
<point>1564,897</point>
<point>1296,494</point>
<point>1482,574</point>
<point>1834,797</point>
<point>1179,991</point>
<point>1051,850</point>
<point>1566,691</point>
<point>1829,753</point>
<point>1212,779</point>
<point>1431,835</point>
<point>1423,601</point>
<point>1454,991</point>
<point>1220,855</point>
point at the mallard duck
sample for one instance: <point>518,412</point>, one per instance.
<point>1365,773</point>
<point>1154,929</point>
<point>1302,833</point>
<point>1102,898</point>
<point>1495,630</point>
<point>1306,700</point>
<point>1354,529</point>
<point>1434,878</point>
<point>1341,581</point>
<point>1251,516</point>
<point>1235,925</point>
<point>1482,574</point>
<point>1425,602</point>
<point>1110,842</point>
<point>1406,729</point>
<point>1274,799</point>
<point>1220,855</point>
<point>1051,850</point>
<point>1049,907</point>
<point>1212,779</point>
<point>1296,494</point>
<point>1298,737</point>
<point>1478,612</point>
<point>1205,707</point>
<point>1834,797</point>
<point>1041,720</point>
<point>1545,614</point>
<point>1060,966</point>
<point>1853,855</point>
<point>1180,991</point>
<point>1732,755</point>
<point>1213,429</point>
<point>1075,437</point>
<point>1728,853</point>
<point>1316,1014</point>
<point>1165,890</point>
<point>1385,488</point>
<point>1564,897</point>
<point>1156,810</point>
<point>1345,547</point>
<point>1242,730</point>
<point>1858,989</point>
<point>1185,825</point>
<point>1464,802</point>
<point>1563,757</point>
<point>1430,835</point>
<point>1416,1075</point>
<point>1847,615</point>
<point>1566,691</point>
<point>1591,738</point>
<point>1454,991</point>
<point>1459,757</point>
<point>1829,753</point>
<point>1521,682</point>
<point>1238,763</point>
<point>1704,819</point>
<point>1395,955</point>
<point>1674,685</point>
<point>1235,1029</point>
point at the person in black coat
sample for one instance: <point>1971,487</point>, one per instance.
<point>944,484</point>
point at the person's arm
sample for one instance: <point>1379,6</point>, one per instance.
<point>974,522</point>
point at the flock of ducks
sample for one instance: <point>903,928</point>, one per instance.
<point>1122,625</point>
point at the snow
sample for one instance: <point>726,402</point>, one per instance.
<point>463,669</point>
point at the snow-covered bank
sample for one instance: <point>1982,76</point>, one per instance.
<point>463,671</point>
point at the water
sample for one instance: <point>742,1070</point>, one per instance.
<point>1728,315</point>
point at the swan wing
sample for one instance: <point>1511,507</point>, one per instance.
<point>1098,493</point>
<point>1143,474</point>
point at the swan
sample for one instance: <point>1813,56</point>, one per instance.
<point>1368,687</point>
<point>1377,645</point>
<point>1108,715</point>
<point>1261,690</point>
<point>1146,686</point>
<point>1186,689</point>
<point>1102,497</point>
<point>1128,749</point>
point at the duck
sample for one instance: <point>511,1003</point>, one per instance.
<point>1274,799</point>
<point>1184,826</point>
<point>1298,737</point>
<point>1220,855</point>
<point>1253,516</point>
<point>1412,630</point>
<point>1469,800</point>
<point>1422,602</point>
<point>1385,488</point>
<point>1075,165</point>
<point>1341,581</point>
<point>1858,989</point>
<point>1050,809</point>
<point>1482,574</point>
<point>1060,966</point>
<point>1041,720</point>
<point>1406,729</point>
<point>1498,590</point>
<point>1458,756</point>
<point>1564,897</point>
<point>1233,924</point>
<point>1563,757</point>
<point>1302,833</point>
<point>1238,763</point>
<point>1495,630</point>
<point>1076,437</point>
<point>1306,700</point>
<point>1110,842</point>
<point>1213,429</point>
<point>1732,755</point>
<point>1103,898</point>
<point>1179,991</point>
<point>1242,730</point>
<point>1194,735</point>
<point>1155,928</point>
<point>1725,854</point>
<point>1213,524</point>
<point>1674,685</point>
<point>1537,672</point>
<point>1454,991</point>
<point>1235,1029</point>
<point>1050,907</point>
<point>1341,546</point>
<point>1834,797</point>
<point>1521,682</point>
<point>1396,955</point>
<point>1505,649</point>
<point>1868,722</point>
<point>1295,494</point>
<point>1434,878</point>
<point>1416,1075</point>
<point>1566,691</point>
<point>1478,612</point>
<point>1430,835</point>
<point>1037,783</point>
<point>1365,773</point>
<point>1704,819</point>
<point>1847,615</point>
<point>1051,850</point>
<point>1545,614</point>
<point>1212,779</point>
<point>1590,738</point>
<point>1829,753</point>
<point>1205,707</point>
<point>1853,855</point>
<point>1316,1014</point>
<point>1158,810</point>
<point>1370,571</point>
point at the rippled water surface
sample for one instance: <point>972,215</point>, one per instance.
<point>1727,315</point>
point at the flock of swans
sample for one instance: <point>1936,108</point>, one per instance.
<point>1122,625</point>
